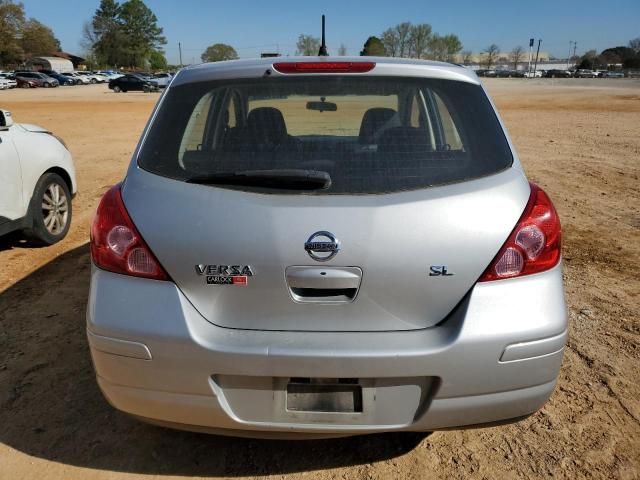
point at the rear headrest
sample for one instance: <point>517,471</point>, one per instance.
<point>404,140</point>
<point>266,125</point>
<point>372,121</point>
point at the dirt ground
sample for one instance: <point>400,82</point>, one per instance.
<point>580,140</point>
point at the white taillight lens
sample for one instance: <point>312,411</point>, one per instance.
<point>509,264</point>
<point>139,261</point>
<point>119,239</point>
<point>531,240</point>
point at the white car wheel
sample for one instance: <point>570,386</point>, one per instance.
<point>50,210</point>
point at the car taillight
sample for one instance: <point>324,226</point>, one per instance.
<point>533,246</point>
<point>116,244</point>
<point>324,67</point>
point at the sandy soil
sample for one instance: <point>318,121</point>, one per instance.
<point>580,140</point>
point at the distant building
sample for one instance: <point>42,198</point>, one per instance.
<point>78,62</point>
<point>56,64</point>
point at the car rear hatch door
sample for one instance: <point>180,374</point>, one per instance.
<point>325,203</point>
<point>411,257</point>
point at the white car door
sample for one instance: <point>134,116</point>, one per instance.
<point>11,201</point>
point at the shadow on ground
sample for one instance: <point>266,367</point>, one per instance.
<point>16,240</point>
<point>51,408</point>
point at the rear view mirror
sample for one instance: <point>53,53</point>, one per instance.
<point>322,106</point>
<point>6,120</point>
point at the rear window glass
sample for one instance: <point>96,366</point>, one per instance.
<point>369,134</point>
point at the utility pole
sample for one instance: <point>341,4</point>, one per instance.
<point>530,55</point>
<point>537,53</point>
<point>180,52</point>
<point>569,57</point>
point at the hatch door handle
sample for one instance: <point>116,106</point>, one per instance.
<point>323,284</point>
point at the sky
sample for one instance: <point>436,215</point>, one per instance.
<point>255,27</point>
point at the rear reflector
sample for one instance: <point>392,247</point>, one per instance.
<point>324,67</point>
<point>533,246</point>
<point>116,244</point>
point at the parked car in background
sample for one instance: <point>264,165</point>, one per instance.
<point>62,79</point>
<point>162,79</point>
<point>132,83</point>
<point>25,82</point>
<point>39,79</point>
<point>584,73</point>
<point>509,73</point>
<point>10,78</point>
<point>536,74</point>
<point>109,74</point>
<point>267,268</point>
<point>79,79</point>
<point>93,77</point>
<point>38,181</point>
<point>4,83</point>
<point>613,74</point>
<point>555,73</point>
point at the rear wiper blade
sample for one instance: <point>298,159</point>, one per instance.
<point>286,179</point>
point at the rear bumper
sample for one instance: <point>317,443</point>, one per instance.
<point>495,358</point>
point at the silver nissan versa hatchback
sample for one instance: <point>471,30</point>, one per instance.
<point>312,247</point>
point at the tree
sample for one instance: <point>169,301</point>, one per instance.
<point>157,60</point>
<point>437,50</point>
<point>104,35</point>
<point>516,56</point>
<point>419,37</point>
<point>467,57</point>
<point>142,34</point>
<point>342,51</point>
<point>589,60</point>
<point>403,30</point>
<point>635,45</point>
<point>38,39</point>
<point>452,46</point>
<point>391,42</point>
<point>219,52</point>
<point>11,23</point>
<point>373,47</point>
<point>490,55</point>
<point>307,45</point>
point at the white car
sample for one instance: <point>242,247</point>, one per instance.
<point>4,84</point>
<point>37,179</point>
<point>532,74</point>
<point>93,77</point>
<point>11,81</point>
<point>80,79</point>
<point>163,79</point>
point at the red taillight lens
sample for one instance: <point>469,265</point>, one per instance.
<point>116,244</point>
<point>533,246</point>
<point>324,67</point>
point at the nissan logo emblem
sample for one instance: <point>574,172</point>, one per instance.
<point>322,246</point>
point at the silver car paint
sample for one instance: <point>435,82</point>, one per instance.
<point>495,357</point>
<point>463,353</point>
<point>393,238</point>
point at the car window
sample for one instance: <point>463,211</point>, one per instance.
<point>344,122</point>
<point>193,136</point>
<point>370,134</point>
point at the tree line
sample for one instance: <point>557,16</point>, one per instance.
<point>403,40</point>
<point>626,56</point>
<point>21,37</point>
<point>125,34</point>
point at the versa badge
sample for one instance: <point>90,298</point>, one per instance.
<point>225,274</point>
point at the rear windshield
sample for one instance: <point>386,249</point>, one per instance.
<point>370,134</point>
